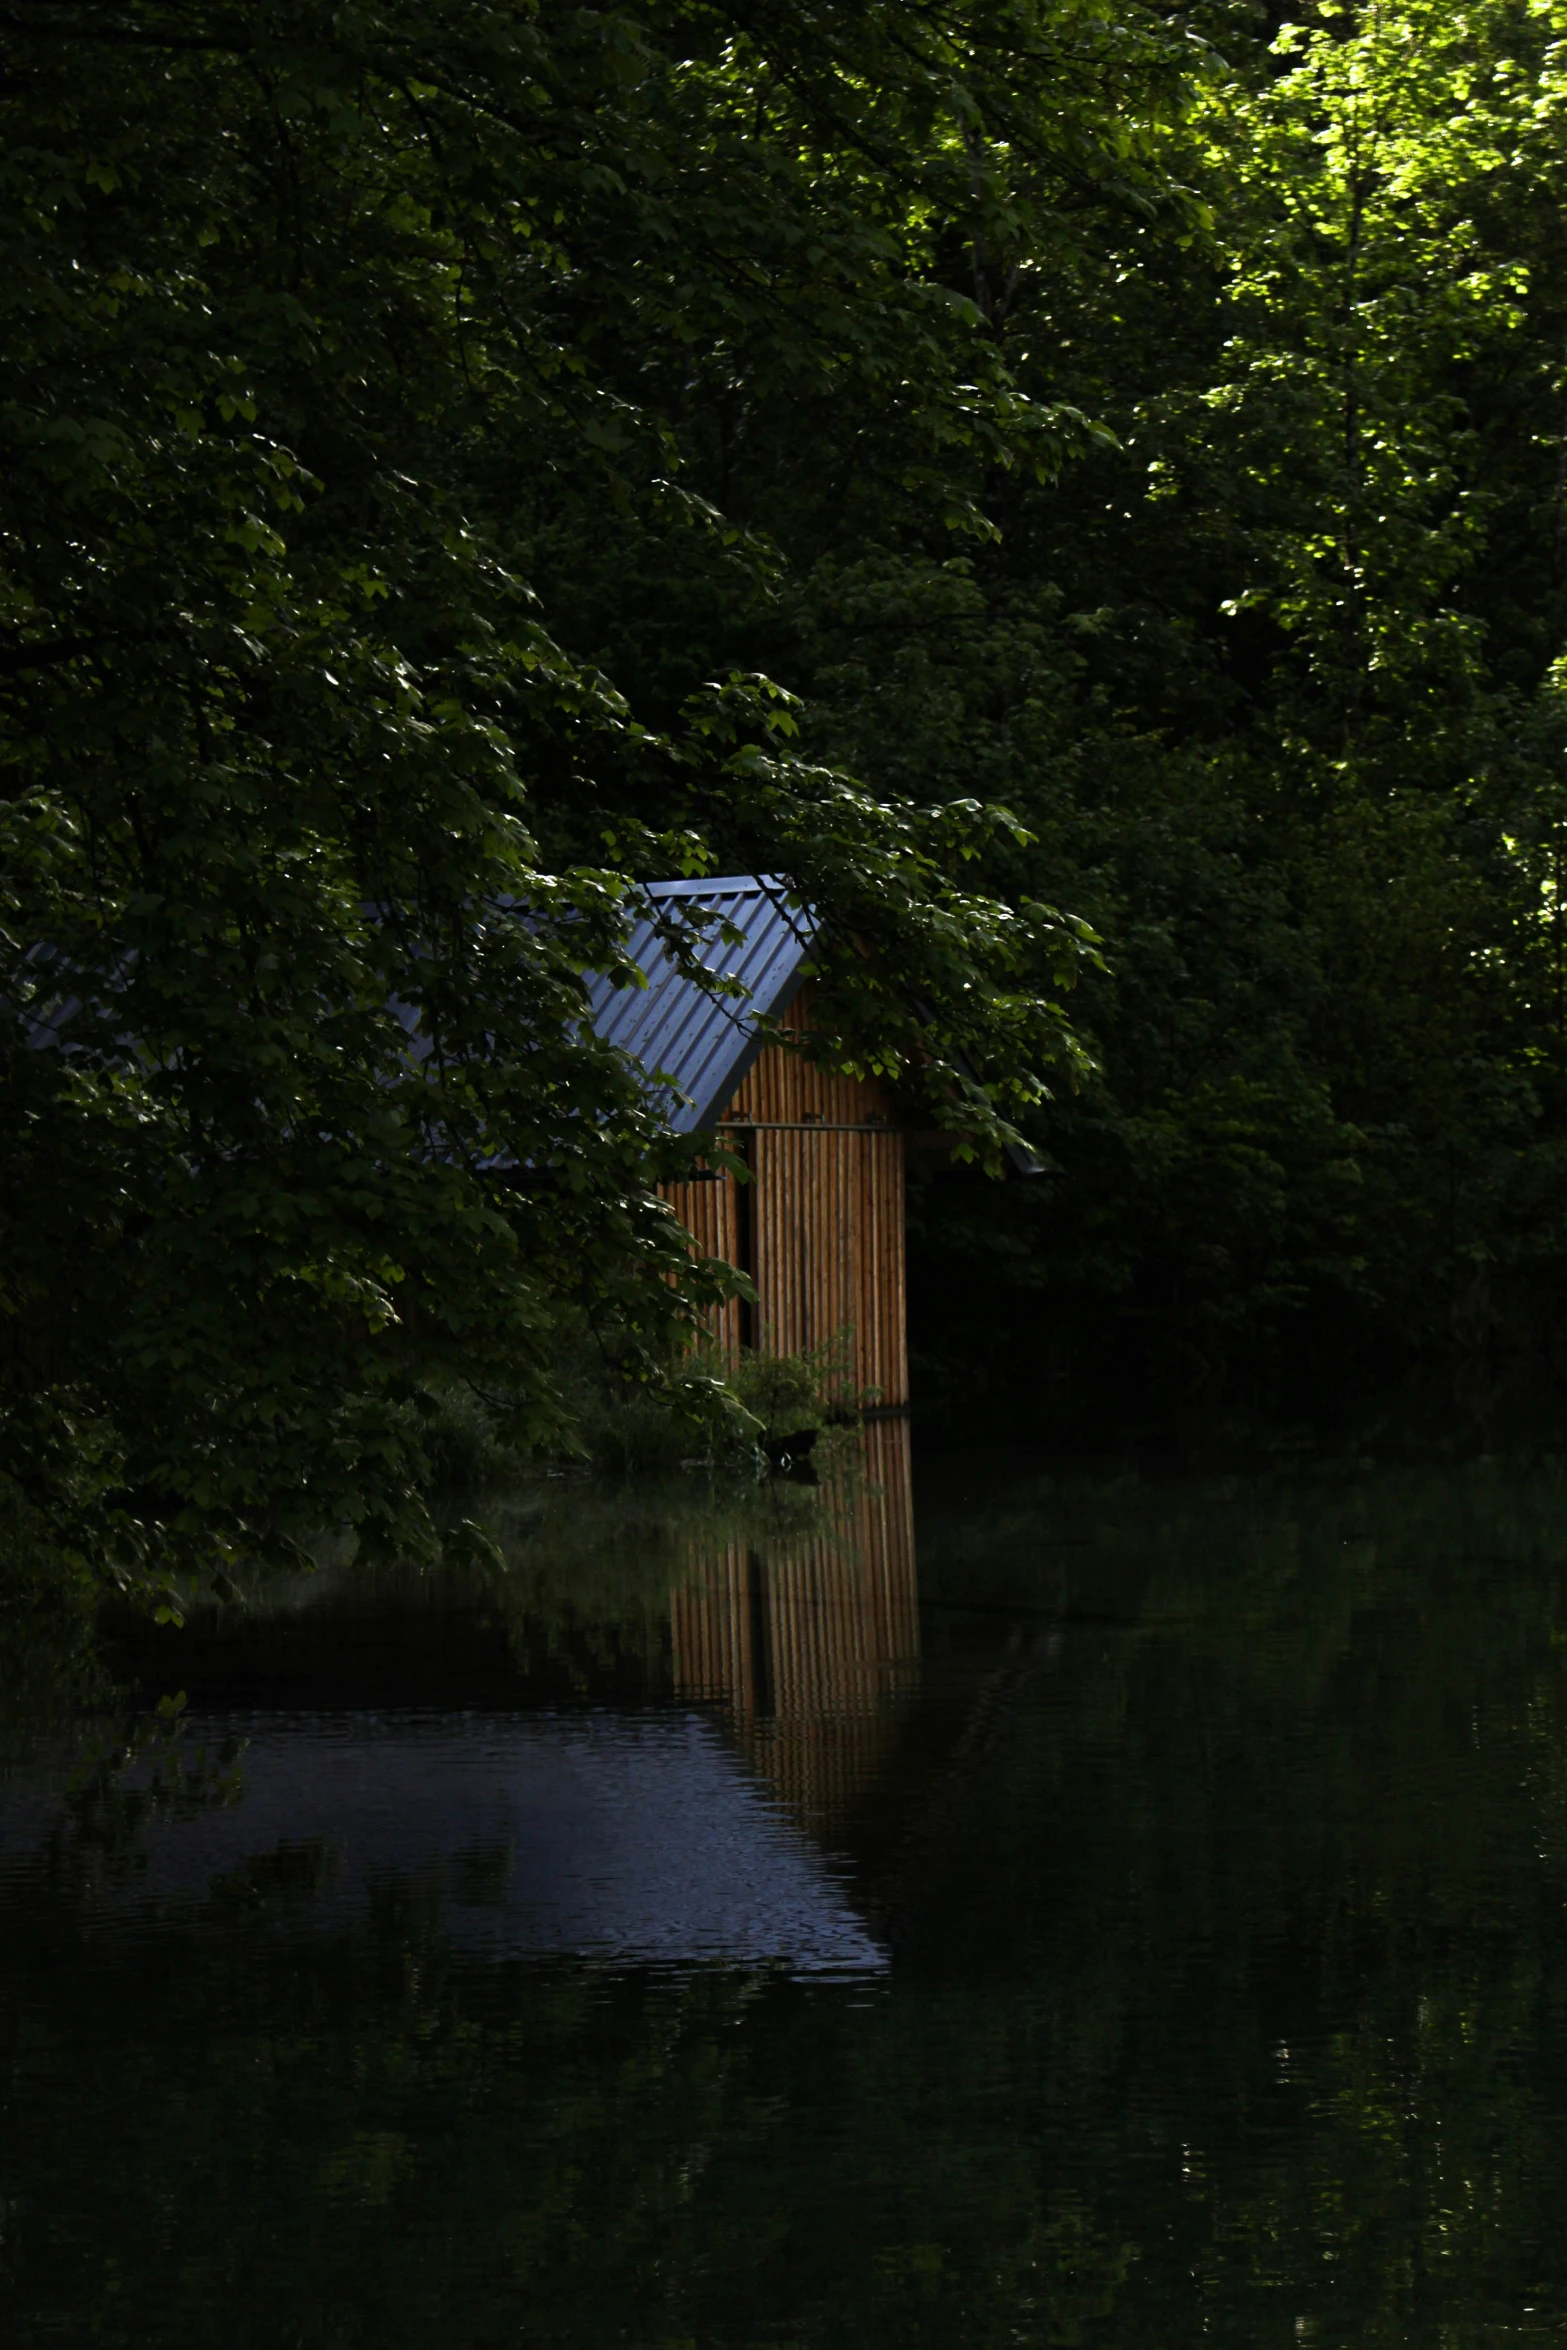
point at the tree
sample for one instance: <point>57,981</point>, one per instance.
<point>1268,677</point>
<point>328,340</point>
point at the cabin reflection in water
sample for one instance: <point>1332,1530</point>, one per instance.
<point>810,1639</point>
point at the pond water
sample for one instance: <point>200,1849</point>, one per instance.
<point>1051,1910</point>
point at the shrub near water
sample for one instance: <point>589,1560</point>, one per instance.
<point>708,1410</point>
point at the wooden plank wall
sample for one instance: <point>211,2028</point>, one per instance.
<point>783,1088</point>
<point>829,1250</point>
<point>709,1211</point>
<point>811,1642</point>
<point>825,1217</point>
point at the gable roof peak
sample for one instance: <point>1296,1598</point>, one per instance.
<point>695,1047</point>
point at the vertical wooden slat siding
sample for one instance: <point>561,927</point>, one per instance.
<point>782,1085</point>
<point>841,1614</point>
<point>710,1214</point>
<point>827,1216</point>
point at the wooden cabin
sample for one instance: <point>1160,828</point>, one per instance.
<point>818,1228</point>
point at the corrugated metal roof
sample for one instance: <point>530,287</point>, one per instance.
<point>696,1047</point>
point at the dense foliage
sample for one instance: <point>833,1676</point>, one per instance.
<point>332,344</point>
<point>1275,682</point>
<point>969,459</point>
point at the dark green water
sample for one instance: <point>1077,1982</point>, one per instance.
<point>1163,1942</point>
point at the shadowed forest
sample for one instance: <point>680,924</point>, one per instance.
<point>1078,493</point>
